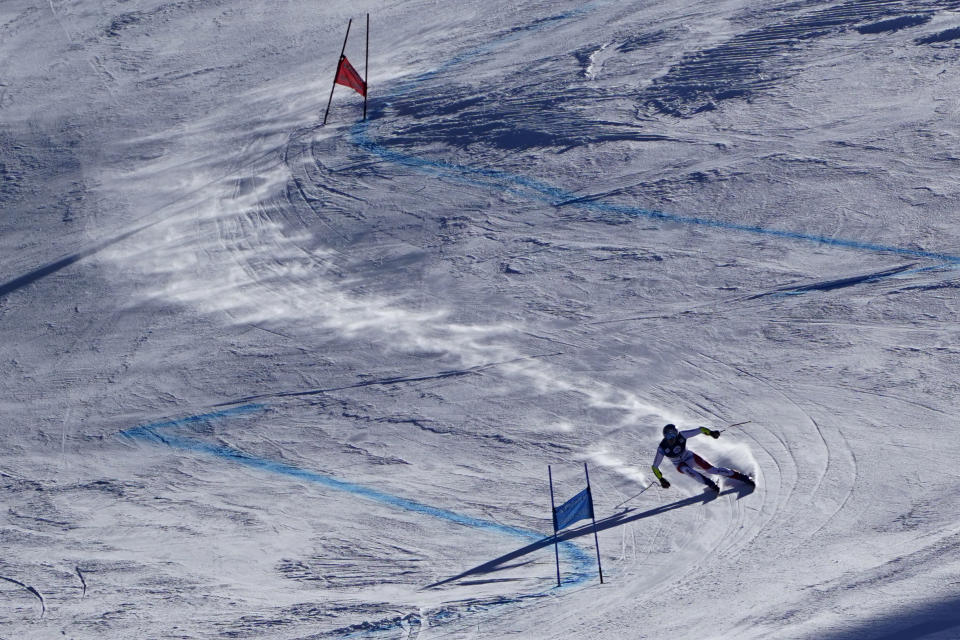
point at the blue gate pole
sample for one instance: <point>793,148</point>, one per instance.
<point>553,511</point>
<point>596,540</point>
<point>366,66</point>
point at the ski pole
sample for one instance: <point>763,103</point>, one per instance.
<point>634,496</point>
<point>735,425</point>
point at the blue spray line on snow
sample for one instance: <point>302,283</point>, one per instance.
<point>556,196</point>
<point>149,431</point>
<point>159,433</point>
<point>540,191</point>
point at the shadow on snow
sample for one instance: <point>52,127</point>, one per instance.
<point>935,620</point>
<point>626,516</point>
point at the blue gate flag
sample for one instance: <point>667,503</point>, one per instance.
<point>576,508</point>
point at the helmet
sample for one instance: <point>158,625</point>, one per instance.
<point>670,432</point>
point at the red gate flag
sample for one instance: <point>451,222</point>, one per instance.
<point>348,77</point>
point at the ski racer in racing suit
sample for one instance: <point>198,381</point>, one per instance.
<point>674,446</point>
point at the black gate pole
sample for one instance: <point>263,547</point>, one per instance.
<point>339,63</point>
<point>553,510</point>
<point>596,540</point>
<point>366,65</point>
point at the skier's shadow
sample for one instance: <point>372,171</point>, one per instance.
<point>619,519</point>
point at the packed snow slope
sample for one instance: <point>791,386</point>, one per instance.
<point>264,378</point>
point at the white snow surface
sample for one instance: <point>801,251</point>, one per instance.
<point>264,378</point>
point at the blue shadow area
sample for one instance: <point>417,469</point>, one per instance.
<point>895,24</point>
<point>841,283</point>
<point>939,620</point>
<point>39,273</point>
<point>617,520</point>
<point>837,17</point>
<point>742,66</point>
<point>941,36</point>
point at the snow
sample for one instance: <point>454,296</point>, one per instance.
<point>271,379</point>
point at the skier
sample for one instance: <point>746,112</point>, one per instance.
<point>674,446</point>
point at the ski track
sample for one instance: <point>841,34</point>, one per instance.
<point>33,591</point>
<point>102,74</point>
<point>852,485</point>
<point>829,468</point>
<point>829,455</point>
<point>705,516</point>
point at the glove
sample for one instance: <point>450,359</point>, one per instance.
<point>664,483</point>
<point>714,434</point>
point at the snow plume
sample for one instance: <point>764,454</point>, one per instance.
<point>632,409</point>
<point>725,452</point>
<point>230,250</point>
<point>236,246</point>
<point>234,253</point>
<point>730,450</point>
<point>267,279</point>
<point>601,456</point>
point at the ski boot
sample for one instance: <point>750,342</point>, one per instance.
<point>744,478</point>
